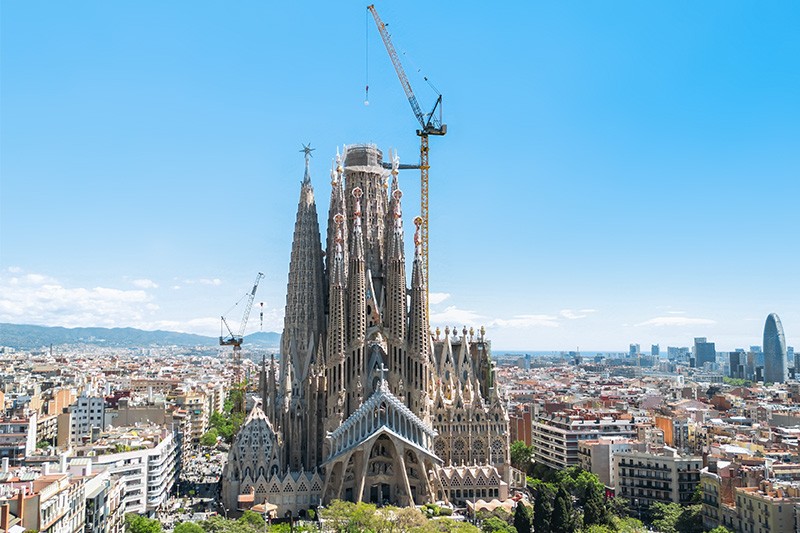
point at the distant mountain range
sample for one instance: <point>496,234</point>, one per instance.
<point>26,337</point>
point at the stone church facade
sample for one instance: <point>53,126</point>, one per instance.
<point>366,403</point>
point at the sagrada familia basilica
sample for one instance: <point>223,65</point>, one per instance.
<point>368,403</point>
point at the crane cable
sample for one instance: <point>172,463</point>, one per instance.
<point>366,61</point>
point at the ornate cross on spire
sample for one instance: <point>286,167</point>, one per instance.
<point>307,151</point>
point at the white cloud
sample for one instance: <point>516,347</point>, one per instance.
<point>145,284</point>
<point>39,299</point>
<point>677,312</point>
<point>526,321</point>
<point>201,281</point>
<point>456,316</point>
<point>43,300</point>
<point>14,270</point>
<point>437,297</point>
<point>677,321</point>
<point>572,315</point>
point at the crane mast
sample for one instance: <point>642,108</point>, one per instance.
<point>430,124</point>
<point>236,340</point>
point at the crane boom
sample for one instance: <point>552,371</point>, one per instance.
<point>234,339</point>
<point>249,304</point>
<point>430,124</point>
<point>237,340</point>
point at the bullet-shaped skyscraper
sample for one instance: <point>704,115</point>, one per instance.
<point>775,364</point>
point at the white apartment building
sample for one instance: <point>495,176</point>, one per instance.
<point>87,412</point>
<point>146,462</point>
<point>556,437</point>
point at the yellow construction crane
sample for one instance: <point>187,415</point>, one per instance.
<point>430,124</point>
<point>233,339</point>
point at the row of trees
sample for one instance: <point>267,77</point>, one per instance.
<point>250,522</point>
<point>348,517</point>
<point>227,423</point>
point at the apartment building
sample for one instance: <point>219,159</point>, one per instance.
<point>645,478</point>
<point>196,406</point>
<point>597,456</point>
<point>145,458</point>
<point>17,438</point>
<point>556,437</point>
<point>88,413</point>
<point>44,501</point>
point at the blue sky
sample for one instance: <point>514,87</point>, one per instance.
<point>610,174</point>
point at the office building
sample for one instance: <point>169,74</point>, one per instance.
<point>704,352</point>
<point>775,356</point>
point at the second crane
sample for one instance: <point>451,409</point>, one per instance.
<point>236,340</point>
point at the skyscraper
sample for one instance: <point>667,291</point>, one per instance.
<point>775,364</point>
<point>704,352</point>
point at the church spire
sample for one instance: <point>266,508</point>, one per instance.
<point>419,337</point>
<point>357,306</point>
<point>305,313</point>
<point>357,276</point>
<point>337,207</point>
<point>396,310</point>
<point>337,342</point>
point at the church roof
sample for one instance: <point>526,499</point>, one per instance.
<point>403,423</point>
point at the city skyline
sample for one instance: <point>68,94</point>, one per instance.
<point>596,188</point>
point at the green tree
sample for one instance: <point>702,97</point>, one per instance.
<point>521,456</point>
<point>691,519</point>
<point>188,527</point>
<point>496,525</point>
<point>408,519</point>
<point>523,518</point>
<point>209,438</point>
<point>236,397</point>
<point>448,525</point>
<point>586,484</point>
<point>135,523</point>
<point>562,520</point>
<point>628,525</point>
<point>619,506</point>
<point>594,506</point>
<point>344,516</point>
<point>543,507</point>
<point>720,529</point>
<point>597,528</point>
<point>217,524</point>
<point>251,518</point>
<point>665,516</point>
